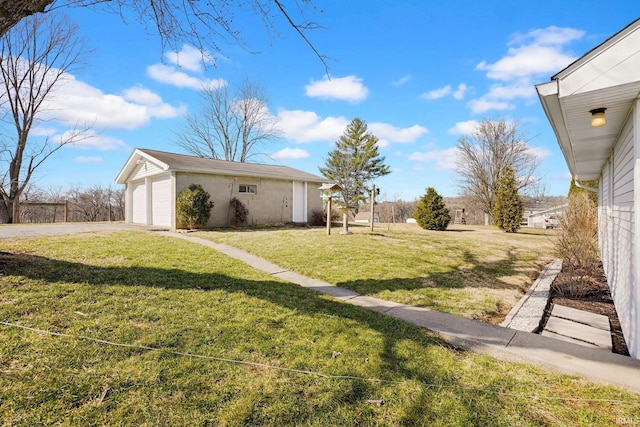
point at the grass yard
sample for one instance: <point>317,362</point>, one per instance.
<point>471,271</point>
<point>132,328</point>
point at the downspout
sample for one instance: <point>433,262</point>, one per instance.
<point>585,187</point>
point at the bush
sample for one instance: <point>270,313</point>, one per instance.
<point>431,213</point>
<point>239,213</point>
<point>193,207</point>
<point>577,238</point>
<point>319,217</point>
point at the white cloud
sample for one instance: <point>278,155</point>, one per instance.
<point>464,128</point>
<point>540,152</point>
<point>443,159</point>
<point>395,134</point>
<point>516,90</point>
<point>539,52</point>
<point>88,159</point>
<point>173,76</point>
<point>307,126</point>
<point>101,143</point>
<point>483,105</point>
<point>190,58</point>
<point>74,102</point>
<point>437,93</point>
<point>401,80</point>
<point>534,55</point>
<point>291,154</point>
<point>460,92</point>
<point>349,88</point>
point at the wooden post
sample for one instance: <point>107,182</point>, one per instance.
<point>329,217</point>
<point>66,210</point>
<point>373,201</point>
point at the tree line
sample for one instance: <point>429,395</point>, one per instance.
<point>76,204</point>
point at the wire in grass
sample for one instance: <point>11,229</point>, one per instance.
<point>304,371</point>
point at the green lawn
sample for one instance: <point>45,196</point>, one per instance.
<point>475,272</point>
<point>204,340</point>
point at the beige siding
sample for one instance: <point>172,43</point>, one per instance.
<point>617,232</point>
<point>272,203</point>
<point>145,169</point>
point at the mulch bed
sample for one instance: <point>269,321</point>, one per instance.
<point>587,290</point>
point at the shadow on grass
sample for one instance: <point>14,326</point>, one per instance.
<point>479,274</point>
<point>292,297</point>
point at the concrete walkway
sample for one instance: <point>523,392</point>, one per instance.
<point>497,341</point>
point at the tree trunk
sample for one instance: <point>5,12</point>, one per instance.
<point>12,11</point>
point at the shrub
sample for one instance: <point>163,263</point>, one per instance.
<point>431,213</point>
<point>577,238</point>
<point>319,217</point>
<point>508,207</point>
<point>193,207</point>
<point>239,213</point>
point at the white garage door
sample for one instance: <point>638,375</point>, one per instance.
<point>161,202</point>
<point>139,203</point>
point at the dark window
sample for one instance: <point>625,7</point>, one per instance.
<point>251,189</point>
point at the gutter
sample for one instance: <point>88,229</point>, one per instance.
<point>584,187</point>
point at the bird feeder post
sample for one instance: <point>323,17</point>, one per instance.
<point>327,193</point>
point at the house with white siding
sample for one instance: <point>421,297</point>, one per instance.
<point>271,193</point>
<point>593,106</point>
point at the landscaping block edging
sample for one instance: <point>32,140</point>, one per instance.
<point>527,313</point>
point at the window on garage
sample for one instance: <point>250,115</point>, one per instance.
<point>246,188</point>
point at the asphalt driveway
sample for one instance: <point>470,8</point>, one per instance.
<point>12,231</point>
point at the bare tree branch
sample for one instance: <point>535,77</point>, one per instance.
<point>35,57</point>
<point>203,24</point>
<point>229,127</point>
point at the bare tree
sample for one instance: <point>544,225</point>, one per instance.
<point>229,126</point>
<point>484,155</point>
<point>35,57</point>
<point>199,23</point>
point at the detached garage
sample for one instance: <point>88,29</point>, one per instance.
<point>271,193</point>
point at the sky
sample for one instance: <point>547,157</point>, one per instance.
<point>421,74</point>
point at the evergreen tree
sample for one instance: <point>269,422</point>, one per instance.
<point>193,207</point>
<point>508,206</point>
<point>574,189</point>
<point>431,213</point>
<point>354,162</point>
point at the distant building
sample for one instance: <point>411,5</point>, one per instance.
<point>364,217</point>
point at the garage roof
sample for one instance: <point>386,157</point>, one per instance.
<point>190,164</point>
<point>605,77</point>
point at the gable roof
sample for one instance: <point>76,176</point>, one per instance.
<point>605,77</point>
<point>190,164</point>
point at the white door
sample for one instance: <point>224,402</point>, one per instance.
<point>138,202</point>
<point>161,201</point>
<point>299,202</point>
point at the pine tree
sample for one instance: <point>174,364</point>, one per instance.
<point>508,206</point>
<point>354,162</point>
<point>431,213</point>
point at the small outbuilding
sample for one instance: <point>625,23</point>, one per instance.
<point>271,193</point>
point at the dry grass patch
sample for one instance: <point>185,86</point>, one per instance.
<point>476,272</point>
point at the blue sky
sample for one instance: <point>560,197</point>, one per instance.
<point>420,73</point>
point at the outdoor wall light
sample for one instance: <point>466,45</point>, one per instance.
<point>597,117</point>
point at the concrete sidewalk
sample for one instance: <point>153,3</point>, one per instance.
<point>496,341</point>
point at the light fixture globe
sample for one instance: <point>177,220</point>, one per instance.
<point>597,117</point>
